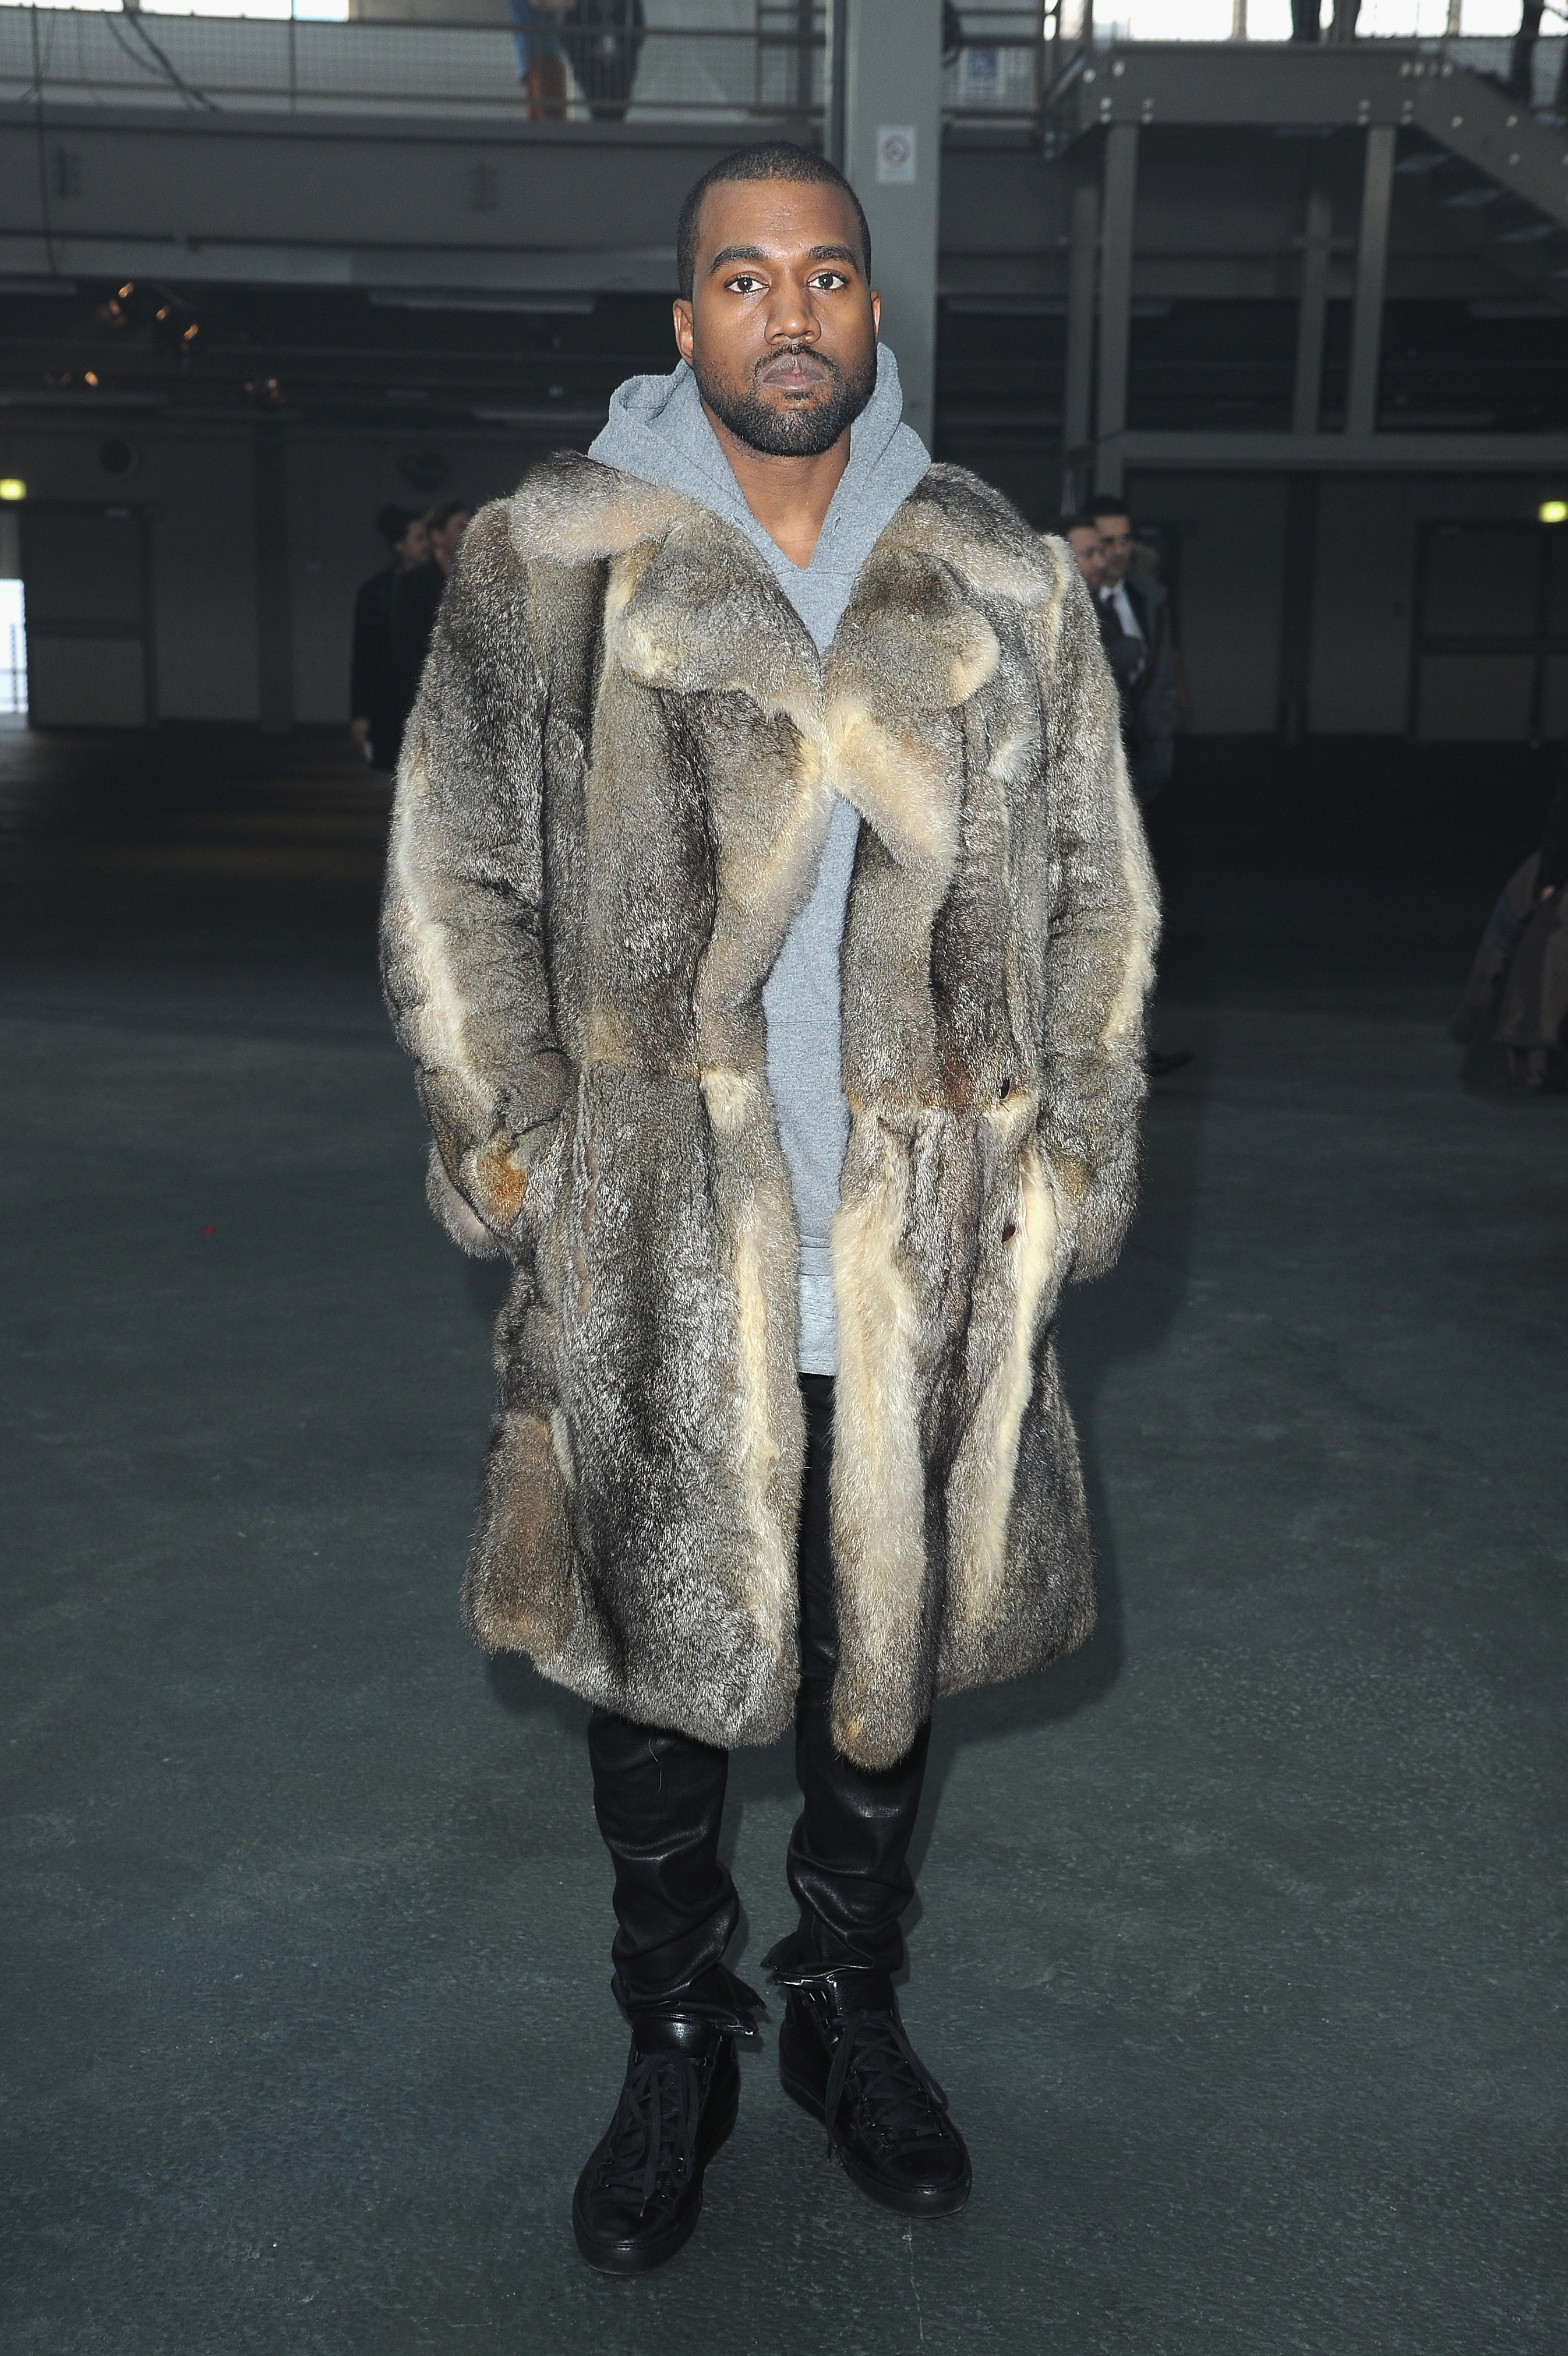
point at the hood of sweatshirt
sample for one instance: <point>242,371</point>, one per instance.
<point>658,430</point>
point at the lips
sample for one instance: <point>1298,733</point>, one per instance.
<point>795,373</point>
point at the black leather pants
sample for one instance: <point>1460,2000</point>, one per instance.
<point>659,1799</point>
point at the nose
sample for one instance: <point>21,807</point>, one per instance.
<point>791,318</point>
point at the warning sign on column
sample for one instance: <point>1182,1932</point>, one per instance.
<point>895,151</point>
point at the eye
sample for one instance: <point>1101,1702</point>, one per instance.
<point>744,284</point>
<point>826,280</point>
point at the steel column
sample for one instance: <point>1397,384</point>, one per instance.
<point>1314,309</point>
<point>1372,279</point>
<point>274,607</point>
<point>1295,605</point>
<point>1078,388</point>
<point>1115,296</point>
<point>835,73</point>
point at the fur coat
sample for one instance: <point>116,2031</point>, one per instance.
<point>613,792</point>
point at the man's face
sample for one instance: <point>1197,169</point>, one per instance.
<point>1088,548</point>
<point>781,330</point>
<point>444,538</point>
<point>1116,540</point>
<point>414,546</point>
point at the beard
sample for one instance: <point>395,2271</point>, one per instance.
<point>804,432</point>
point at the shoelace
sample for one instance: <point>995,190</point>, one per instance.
<point>655,2126</point>
<point>891,2078</point>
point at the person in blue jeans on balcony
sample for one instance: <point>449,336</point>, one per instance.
<point>541,62</point>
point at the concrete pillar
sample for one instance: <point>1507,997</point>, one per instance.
<point>892,155</point>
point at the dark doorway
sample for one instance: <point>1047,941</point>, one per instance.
<point>84,570</point>
<point>1490,654</point>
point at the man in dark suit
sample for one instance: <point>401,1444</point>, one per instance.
<point>417,595</point>
<point>1136,631</point>
<point>1134,622</point>
<point>374,699</point>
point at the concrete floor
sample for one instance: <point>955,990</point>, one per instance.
<point>1239,1945</point>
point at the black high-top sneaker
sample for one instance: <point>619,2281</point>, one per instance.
<point>844,2057</point>
<point>640,2196</point>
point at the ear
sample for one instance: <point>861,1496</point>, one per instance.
<point>875,315</point>
<point>685,337</point>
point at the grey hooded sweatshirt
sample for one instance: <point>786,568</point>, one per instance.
<point>659,432</point>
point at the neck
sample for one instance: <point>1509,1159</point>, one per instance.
<point>789,497</point>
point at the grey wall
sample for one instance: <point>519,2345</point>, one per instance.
<point>1230,570</point>
<point>1230,575</point>
<point>1364,590</point>
<point>198,489</point>
<point>335,486</point>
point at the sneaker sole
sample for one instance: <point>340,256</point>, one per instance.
<point>642,2257</point>
<point>943,2204</point>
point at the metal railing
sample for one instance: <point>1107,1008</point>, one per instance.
<point>724,60</point>
<point>731,61</point>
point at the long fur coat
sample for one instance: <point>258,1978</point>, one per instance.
<point>613,792</point>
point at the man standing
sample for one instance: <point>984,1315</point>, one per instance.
<point>1082,534</point>
<point>417,595</point>
<point>1124,654</point>
<point>1135,608</point>
<point>375,701</point>
<point>768,915</point>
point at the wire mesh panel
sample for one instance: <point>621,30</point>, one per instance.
<point>792,53</point>
<point>701,58</point>
<point>724,60</point>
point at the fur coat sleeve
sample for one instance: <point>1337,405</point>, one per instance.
<point>612,798</point>
<point>464,961</point>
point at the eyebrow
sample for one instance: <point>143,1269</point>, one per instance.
<point>755,253</point>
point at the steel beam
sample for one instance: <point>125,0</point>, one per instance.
<point>1286,84</point>
<point>1120,205</point>
<point>1349,453</point>
<point>1372,281</point>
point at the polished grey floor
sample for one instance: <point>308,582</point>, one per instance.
<point>1239,1947</point>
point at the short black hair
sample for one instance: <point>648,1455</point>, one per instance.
<point>393,521</point>
<point>438,517</point>
<point>772,159</point>
<point>1063,524</point>
<point>1106,505</point>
